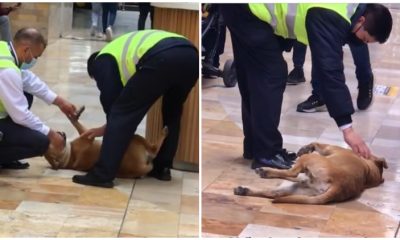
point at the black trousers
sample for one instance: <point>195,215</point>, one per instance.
<point>20,142</point>
<point>144,10</point>
<point>170,73</point>
<point>261,74</point>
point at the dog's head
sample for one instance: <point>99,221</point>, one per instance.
<point>57,158</point>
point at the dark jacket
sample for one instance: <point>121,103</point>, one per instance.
<point>327,33</point>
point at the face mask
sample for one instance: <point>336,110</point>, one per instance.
<point>354,40</point>
<point>26,66</point>
<point>29,65</point>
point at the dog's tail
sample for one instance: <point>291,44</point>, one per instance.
<point>323,198</point>
<point>153,149</point>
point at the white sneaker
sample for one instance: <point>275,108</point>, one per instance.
<point>92,31</point>
<point>109,34</point>
<point>100,35</point>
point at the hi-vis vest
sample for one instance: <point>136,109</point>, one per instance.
<point>289,20</point>
<point>130,47</point>
<point>6,61</point>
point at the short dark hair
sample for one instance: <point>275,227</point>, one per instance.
<point>90,64</point>
<point>31,35</point>
<point>378,21</point>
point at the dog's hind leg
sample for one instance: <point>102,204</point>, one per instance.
<point>289,174</point>
<point>323,198</point>
<point>322,149</point>
<point>267,193</point>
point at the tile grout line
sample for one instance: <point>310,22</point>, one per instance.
<point>126,209</point>
<point>397,230</point>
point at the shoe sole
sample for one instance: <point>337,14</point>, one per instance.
<point>104,185</point>
<point>258,165</point>
<point>313,110</point>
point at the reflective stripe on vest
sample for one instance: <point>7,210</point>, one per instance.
<point>6,61</point>
<point>129,48</point>
<point>288,20</point>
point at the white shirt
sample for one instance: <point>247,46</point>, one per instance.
<point>12,87</point>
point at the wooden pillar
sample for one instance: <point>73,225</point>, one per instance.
<point>186,23</point>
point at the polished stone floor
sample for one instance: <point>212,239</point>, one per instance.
<point>41,202</point>
<point>375,214</point>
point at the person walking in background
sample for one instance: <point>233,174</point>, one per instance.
<point>5,29</point>
<point>109,16</point>
<point>95,30</point>
<point>144,9</point>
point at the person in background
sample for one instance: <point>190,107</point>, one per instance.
<point>144,10</point>
<point>5,29</point>
<point>109,16</point>
<point>96,20</point>
<point>24,134</point>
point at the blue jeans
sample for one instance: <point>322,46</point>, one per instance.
<point>5,30</point>
<point>109,14</point>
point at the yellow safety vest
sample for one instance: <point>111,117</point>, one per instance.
<point>6,61</point>
<point>289,19</point>
<point>130,47</point>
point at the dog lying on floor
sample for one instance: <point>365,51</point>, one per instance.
<point>82,153</point>
<point>322,173</point>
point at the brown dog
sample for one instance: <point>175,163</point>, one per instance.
<point>82,153</point>
<point>331,174</point>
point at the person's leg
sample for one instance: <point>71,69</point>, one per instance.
<point>364,75</point>
<point>96,17</point>
<point>296,76</point>
<point>221,41</point>
<point>299,54</point>
<point>315,102</point>
<point>113,14</point>
<point>106,11</point>
<point>19,142</point>
<point>144,9</point>
<point>264,73</point>
<point>184,73</point>
<point>5,29</point>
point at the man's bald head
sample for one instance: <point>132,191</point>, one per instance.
<point>30,36</point>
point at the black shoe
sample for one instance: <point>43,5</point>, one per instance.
<point>365,94</point>
<point>288,155</point>
<point>161,174</point>
<point>312,104</point>
<point>277,161</point>
<point>14,165</point>
<point>296,76</point>
<point>92,180</point>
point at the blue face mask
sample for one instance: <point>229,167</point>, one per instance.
<point>26,66</point>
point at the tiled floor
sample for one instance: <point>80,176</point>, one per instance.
<point>375,214</point>
<point>40,202</point>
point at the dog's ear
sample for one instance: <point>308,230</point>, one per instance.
<point>380,162</point>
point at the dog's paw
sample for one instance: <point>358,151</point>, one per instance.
<point>241,191</point>
<point>263,173</point>
<point>306,149</point>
